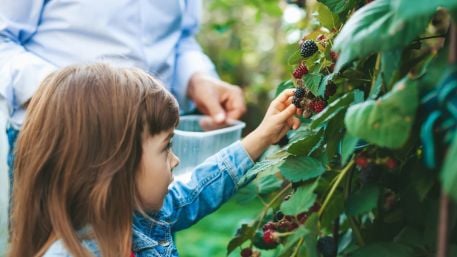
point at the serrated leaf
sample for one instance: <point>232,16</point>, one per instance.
<point>362,201</point>
<point>301,200</point>
<point>387,121</point>
<point>383,250</point>
<point>305,145</point>
<point>261,167</point>
<point>313,81</point>
<point>369,30</point>
<point>301,168</point>
<point>332,109</point>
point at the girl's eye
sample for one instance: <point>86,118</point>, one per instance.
<point>168,146</point>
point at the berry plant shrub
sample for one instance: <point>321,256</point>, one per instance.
<point>372,171</point>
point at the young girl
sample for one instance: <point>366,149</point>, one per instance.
<point>93,166</point>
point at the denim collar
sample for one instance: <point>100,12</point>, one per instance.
<point>140,241</point>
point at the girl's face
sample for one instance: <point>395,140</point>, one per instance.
<point>156,166</point>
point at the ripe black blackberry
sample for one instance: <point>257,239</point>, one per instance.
<point>327,246</point>
<point>278,216</point>
<point>299,92</point>
<point>297,102</point>
<point>308,48</point>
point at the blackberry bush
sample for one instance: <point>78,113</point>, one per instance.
<point>372,168</point>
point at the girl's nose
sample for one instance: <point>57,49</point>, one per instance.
<point>175,161</point>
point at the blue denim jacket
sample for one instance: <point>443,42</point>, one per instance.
<point>212,183</point>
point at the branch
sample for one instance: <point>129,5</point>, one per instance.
<point>335,185</point>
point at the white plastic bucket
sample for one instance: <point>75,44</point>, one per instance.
<point>193,145</point>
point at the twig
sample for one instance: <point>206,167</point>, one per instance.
<point>335,185</point>
<point>430,37</point>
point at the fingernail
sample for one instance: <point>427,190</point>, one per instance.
<point>220,117</point>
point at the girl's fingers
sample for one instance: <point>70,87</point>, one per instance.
<point>287,113</point>
<point>283,97</point>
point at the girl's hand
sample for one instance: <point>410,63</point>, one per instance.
<point>280,117</point>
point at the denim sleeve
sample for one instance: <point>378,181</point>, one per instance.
<point>212,183</point>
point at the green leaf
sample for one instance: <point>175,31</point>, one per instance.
<point>410,236</point>
<point>313,82</point>
<point>390,64</point>
<point>325,17</point>
<point>336,6</point>
<point>268,184</point>
<point>244,233</point>
<point>283,86</point>
<point>305,145</point>
<point>369,31</point>
<point>347,147</point>
<point>332,109</point>
<point>301,200</point>
<point>383,250</point>
<point>386,122</point>
<point>421,8</point>
<point>362,201</point>
<point>301,168</point>
<point>334,133</point>
<point>262,166</point>
<point>449,170</point>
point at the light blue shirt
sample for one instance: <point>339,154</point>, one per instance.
<point>212,183</point>
<point>39,36</point>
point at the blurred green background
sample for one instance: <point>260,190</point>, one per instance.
<point>252,43</point>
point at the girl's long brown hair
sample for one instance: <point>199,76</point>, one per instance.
<point>78,155</point>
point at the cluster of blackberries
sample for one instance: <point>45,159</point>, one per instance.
<point>307,102</point>
<point>371,167</point>
<point>269,237</point>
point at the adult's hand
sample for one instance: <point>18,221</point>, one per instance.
<point>220,100</point>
